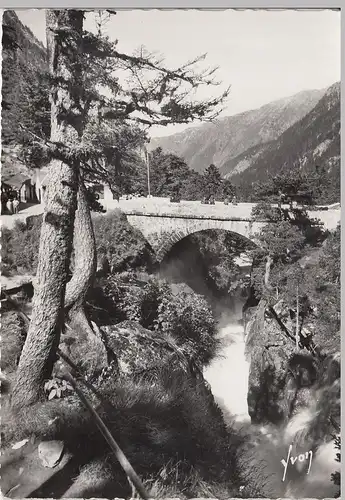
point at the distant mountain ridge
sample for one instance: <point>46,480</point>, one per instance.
<point>31,51</point>
<point>312,141</point>
<point>231,136</point>
<point>302,130</point>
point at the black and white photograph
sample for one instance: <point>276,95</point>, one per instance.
<point>170,253</point>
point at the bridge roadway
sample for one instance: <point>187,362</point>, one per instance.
<point>163,207</point>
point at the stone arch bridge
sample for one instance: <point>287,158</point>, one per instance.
<point>164,223</point>
<point>162,232</point>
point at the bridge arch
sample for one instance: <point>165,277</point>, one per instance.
<point>176,238</point>
<point>162,233</point>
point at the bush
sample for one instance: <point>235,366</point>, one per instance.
<point>19,247</point>
<point>124,246</point>
<point>186,317</point>
<point>114,298</point>
<point>189,319</point>
<point>263,210</point>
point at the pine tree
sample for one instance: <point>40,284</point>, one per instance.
<point>212,182</point>
<point>79,63</point>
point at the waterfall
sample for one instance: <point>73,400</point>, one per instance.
<point>227,376</point>
<point>228,373</point>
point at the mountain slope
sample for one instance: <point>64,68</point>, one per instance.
<point>313,140</point>
<point>244,160</point>
<point>231,136</point>
<point>22,64</point>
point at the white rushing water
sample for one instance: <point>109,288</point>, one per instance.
<point>228,378</point>
<point>228,373</point>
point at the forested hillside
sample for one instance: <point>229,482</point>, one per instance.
<point>23,67</point>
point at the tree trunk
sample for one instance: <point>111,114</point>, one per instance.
<point>84,246</point>
<point>85,263</point>
<point>87,336</point>
<point>38,354</point>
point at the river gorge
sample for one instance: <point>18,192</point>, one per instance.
<point>295,457</point>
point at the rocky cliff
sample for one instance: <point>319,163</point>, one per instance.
<point>283,380</point>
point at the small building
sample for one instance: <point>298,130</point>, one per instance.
<point>19,179</point>
<point>20,187</point>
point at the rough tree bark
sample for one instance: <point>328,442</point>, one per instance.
<point>37,357</point>
<point>85,262</point>
<point>85,337</point>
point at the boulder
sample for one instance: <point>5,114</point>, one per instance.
<point>50,452</point>
<point>139,350</point>
<point>269,395</point>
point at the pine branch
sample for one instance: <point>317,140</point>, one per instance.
<point>92,45</point>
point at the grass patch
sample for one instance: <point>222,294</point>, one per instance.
<point>170,423</point>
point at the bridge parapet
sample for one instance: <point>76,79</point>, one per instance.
<point>163,207</point>
<point>215,217</point>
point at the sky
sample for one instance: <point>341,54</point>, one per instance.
<point>264,55</point>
